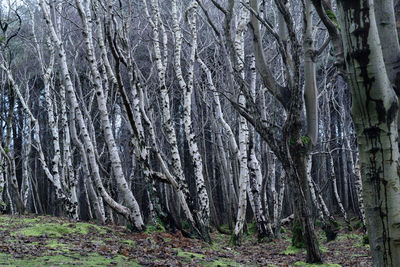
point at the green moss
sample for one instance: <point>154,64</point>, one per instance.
<point>226,227</point>
<point>305,139</point>
<point>333,18</point>
<point>351,236</point>
<point>92,259</point>
<point>54,244</point>
<point>43,229</point>
<point>358,240</point>
<point>58,230</point>
<point>292,250</point>
<point>201,259</point>
<point>303,264</point>
<point>286,237</point>
<point>154,229</point>
<point>252,228</point>
<point>190,255</point>
<point>185,225</point>
<point>365,240</point>
<point>4,219</point>
<point>297,238</point>
<point>29,220</point>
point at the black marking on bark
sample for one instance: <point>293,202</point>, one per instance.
<point>380,110</point>
<point>372,132</point>
<point>357,13</point>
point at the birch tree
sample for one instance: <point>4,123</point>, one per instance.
<point>85,14</point>
<point>188,87</point>
<point>133,216</point>
<point>374,111</point>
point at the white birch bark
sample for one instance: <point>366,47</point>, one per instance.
<point>255,178</point>
<point>255,175</point>
<point>2,183</point>
<point>26,170</point>
<point>270,184</point>
<point>156,25</point>
<point>53,125</point>
<point>232,195</point>
<point>10,201</point>
<point>12,180</point>
<point>68,167</point>
<point>187,88</point>
<point>79,116</point>
<point>312,189</point>
<point>57,163</point>
<point>218,109</point>
<point>282,186</point>
<point>335,190</point>
<point>374,111</point>
<point>85,14</point>
<point>53,178</point>
<point>95,200</point>
<point>243,128</point>
<point>359,189</point>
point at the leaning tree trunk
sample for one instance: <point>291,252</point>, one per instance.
<point>187,88</point>
<point>74,105</point>
<point>132,204</point>
<point>374,113</point>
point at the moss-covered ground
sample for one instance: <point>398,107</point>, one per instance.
<point>49,241</point>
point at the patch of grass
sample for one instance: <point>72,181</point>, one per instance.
<point>225,227</point>
<point>8,220</point>
<point>201,259</point>
<point>286,237</point>
<point>358,240</point>
<point>49,229</point>
<point>29,220</point>
<point>66,260</point>
<point>297,238</point>
<point>303,264</point>
<point>189,255</point>
<point>252,228</point>
<point>323,249</point>
<point>58,230</point>
<point>54,244</point>
<point>154,229</point>
<point>4,219</point>
<point>290,250</point>
<point>352,236</point>
<point>185,225</point>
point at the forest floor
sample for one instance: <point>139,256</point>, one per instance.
<point>50,241</point>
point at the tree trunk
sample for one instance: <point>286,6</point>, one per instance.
<point>374,113</point>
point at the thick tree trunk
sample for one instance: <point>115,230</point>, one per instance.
<point>374,112</point>
<point>297,174</point>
